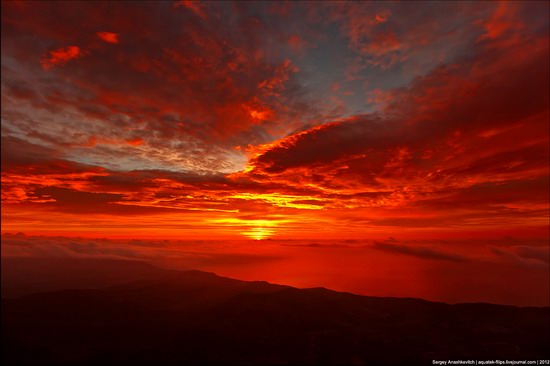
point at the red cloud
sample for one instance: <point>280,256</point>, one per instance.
<point>135,142</point>
<point>195,6</point>
<point>60,57</point>
<point>296,43</point>
<point>108,37</point>
<point>381,44</point>
<point>503,19</point>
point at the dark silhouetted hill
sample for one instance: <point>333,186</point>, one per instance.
<point>27,275</point>
<point>193,317</point>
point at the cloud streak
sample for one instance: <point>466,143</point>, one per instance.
<point>60,56</point>
<point>419,252</point>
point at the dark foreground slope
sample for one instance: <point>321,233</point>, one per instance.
<point>27,275</point>
<point>193,317</point>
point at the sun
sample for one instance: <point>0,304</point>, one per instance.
<point>258,233</point>
<point>259,229</point>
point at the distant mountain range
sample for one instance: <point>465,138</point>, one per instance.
<point>113,312</point>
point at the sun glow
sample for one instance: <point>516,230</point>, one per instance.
<point>254,229</point>
<point>259,233</point>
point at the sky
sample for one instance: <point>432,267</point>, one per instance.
<point>392,125</point>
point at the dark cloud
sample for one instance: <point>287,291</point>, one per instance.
<point>419,251</point>
<point>524,255</point>
<point>16,152</point>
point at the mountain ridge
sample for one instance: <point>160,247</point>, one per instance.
<point>195,317</point>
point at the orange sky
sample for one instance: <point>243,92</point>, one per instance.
<point>330,120</point>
